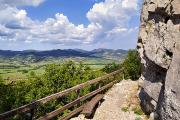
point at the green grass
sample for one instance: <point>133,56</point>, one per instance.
<point>20,71</point>
<point>138,118</point>
<point>138,111</point>
<point>125,109</point>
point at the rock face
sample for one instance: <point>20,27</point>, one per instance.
<point>159,48</point>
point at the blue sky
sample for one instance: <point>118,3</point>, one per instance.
<point>67,24</point>
<point>75,10</point>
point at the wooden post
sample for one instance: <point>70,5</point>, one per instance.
<point>31,114</point>
<point>123,75</point>
<point>32,111</point>
<point>78,96</point>
<point>99,86</point>
<point>99,103</point>
<point>114,77</point>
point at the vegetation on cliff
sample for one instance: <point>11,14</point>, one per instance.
<point>131,66</point>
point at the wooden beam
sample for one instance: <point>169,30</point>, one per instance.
<point>73,113</point>
<point>54,113</point>
<point>89,107</point>
<point>21,109</point>
<point>30,106</point>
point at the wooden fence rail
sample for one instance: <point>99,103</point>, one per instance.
<point>31,106</point>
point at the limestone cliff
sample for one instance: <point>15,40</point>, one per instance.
<point>159,48</point>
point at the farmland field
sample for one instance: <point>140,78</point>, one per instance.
<point>13,72</point>
<point>18,65</point>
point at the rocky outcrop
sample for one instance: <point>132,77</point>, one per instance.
<point>159,48</point>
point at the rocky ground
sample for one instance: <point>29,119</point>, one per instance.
<point>120,103</point>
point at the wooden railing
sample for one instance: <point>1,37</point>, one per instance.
<point>32,106</point>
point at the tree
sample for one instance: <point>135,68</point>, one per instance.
<point>32,74</point>
<point>132,65</point>
<point>6,96</point>
<point>111,67</point>
<point>2,95</point>
<point>1,80</point>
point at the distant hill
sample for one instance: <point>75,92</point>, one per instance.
<point>109,53</point>
<point>35,56</point>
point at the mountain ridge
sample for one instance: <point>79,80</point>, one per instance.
<point>64,53</point>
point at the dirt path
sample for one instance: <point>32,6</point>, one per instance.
<point>120,103</point>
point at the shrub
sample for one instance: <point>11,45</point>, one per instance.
<point>24,71</point>
<point>132,65</point>
<point>125,109</point>
<point>111,67</point>
<point>138,118</point>
<point>137,110</point>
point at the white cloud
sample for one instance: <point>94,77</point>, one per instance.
<point>112,16</point>
<point>108,21</point>
<point>130,4</point>
<point>21,2</point>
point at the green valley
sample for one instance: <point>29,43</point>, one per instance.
<point>18,65</point>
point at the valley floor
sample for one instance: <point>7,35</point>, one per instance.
<point>120,103</point>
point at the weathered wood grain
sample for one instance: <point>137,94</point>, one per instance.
<point>89,107</point>
<point>73,113</point>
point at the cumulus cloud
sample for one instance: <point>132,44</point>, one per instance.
<point>113,17</point>
<point>108,21</point>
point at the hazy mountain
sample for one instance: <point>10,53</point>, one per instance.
<point>35,56</point>
<point>109,53</point>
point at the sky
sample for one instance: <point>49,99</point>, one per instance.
<point>69,24</point>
